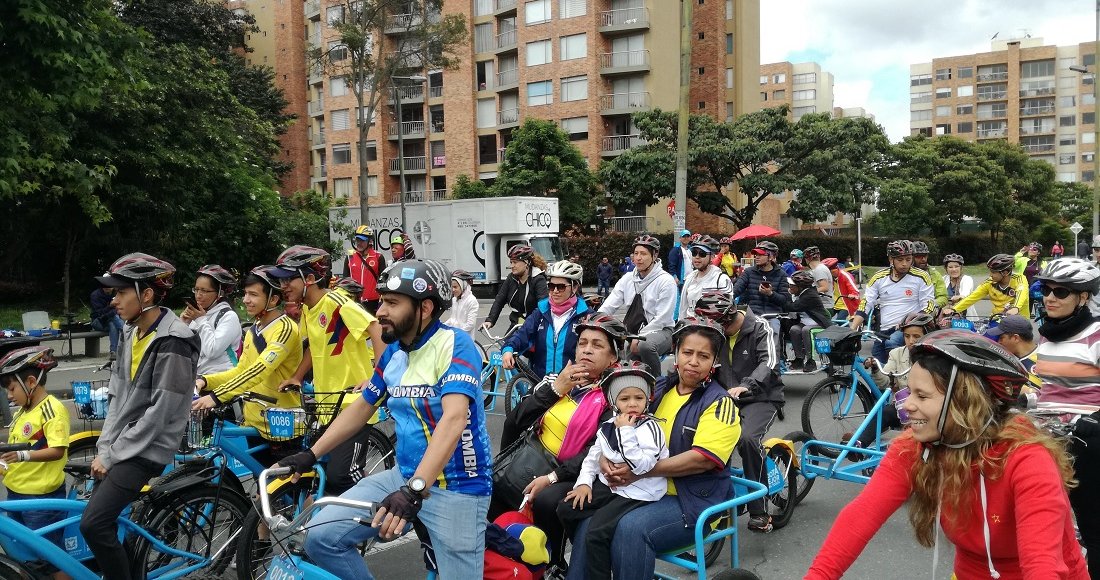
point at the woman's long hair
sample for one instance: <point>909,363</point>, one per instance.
<point>948,476</point>
<point>539,262</point>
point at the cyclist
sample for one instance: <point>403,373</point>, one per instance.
<point>336,329</point>
<point>272,352</point>
<point>895,291</point>
<point>464,304</point>
<point>151,386</point>
<point>1007,291</point>
<point>703,276</point>
<point>1017,335</point>
<point>649,293</point>
<point>212,318</point>
<point>847,294</point>
<point>998,481</point>
<point>748,370</point>
<point>794,262</point>
<point>550,329</point>
<point>725,259</point>
<point>823,280</point>
<point>1029,261</point>
<point>957,284</point>
<point>763,286</point>
<point>920,260</point>
<point>428,376</point>
<point>806,301</point>
<point>1068,362</point>
<point>401,247</point>
<point>364,264</point>
<point>522,289</point>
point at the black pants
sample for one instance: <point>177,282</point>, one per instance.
<point>347,463</point>
<point>1086,497</point>
<point>755,420</point>
<point>99,524</point>
<point>606,510</point>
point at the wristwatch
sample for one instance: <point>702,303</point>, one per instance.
<point>417,485</point>
<point>552,477</point>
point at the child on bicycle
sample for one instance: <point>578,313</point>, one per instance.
<point>43,422</point>
<point>632,437</point>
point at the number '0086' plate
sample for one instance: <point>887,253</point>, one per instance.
<point>281,423</point>
<point>283,569</point>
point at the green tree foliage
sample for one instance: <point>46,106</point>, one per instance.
<point>1074,202</point>
<point>831,163</point>
<point>466,188</point>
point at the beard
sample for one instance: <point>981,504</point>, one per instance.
<point>393,330</point>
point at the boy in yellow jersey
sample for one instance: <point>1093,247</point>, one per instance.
<point>272,352</point>
<point>335,329</point>
<point>43,422</point>
<point>1007,291</point>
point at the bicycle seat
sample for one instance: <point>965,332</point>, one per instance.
<point>79,468</point>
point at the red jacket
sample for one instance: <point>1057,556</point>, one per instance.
<point>847,285</point>
<point>1030,522</point>
<point>366,272</point>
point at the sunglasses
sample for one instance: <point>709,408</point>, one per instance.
<point>558,287</point>
<point>699,253</point>
<point>1059,293</point>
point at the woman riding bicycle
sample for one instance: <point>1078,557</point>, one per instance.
<point>959,285</point>
<point>989,477</point>
<point>522,289</point>
<point>550,327</point>
<point>211,316</point>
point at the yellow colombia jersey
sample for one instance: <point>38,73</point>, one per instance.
<point>336,331</point>
<point>270,356</point>
<point>718,430</point>
<point>1015,294</point>
<point>46,425</point>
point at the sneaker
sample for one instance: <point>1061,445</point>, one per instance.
<point>112,357</point>
<point>809,366</point>
<point>795,365</point>
<point>761,524</point>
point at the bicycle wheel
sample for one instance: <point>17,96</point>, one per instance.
<point>380,453</point>
<point>518,388</point>
<point>254,553</point>
<point>822,411</point>
<point>803,485</point>
<point>780,505</point>
<point>200,520</point>
<point>712,550</point>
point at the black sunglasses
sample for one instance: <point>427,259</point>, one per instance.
<point>699,253</point>
<point>553,286</point>
<point>1059,293</point>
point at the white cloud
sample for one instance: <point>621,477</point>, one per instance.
<point>868,45</point>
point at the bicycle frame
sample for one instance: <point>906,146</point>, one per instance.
<point>844,404</point>
<point>816,465</point>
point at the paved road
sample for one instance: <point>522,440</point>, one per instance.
<point>783,554</point>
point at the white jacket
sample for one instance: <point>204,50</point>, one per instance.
<point>641,448</point>
<point>658,290</point>
<point>966,286</point>
<point>713,278</point>
<point>219,331</point>
<point>464,312</point>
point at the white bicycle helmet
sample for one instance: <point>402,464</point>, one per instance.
<point>1073,273</point>
<point>565,269</point>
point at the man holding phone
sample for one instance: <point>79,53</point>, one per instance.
<point>763,285</point>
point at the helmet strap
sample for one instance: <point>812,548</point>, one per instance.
<point>947,401</point>
<point>144,309</point>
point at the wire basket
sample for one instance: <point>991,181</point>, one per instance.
<point>285,424</point>
<point>320,411</point>
<point>90,398</point>
<point>198,431</point>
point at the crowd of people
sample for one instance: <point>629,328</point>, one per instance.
<point>615,448</point>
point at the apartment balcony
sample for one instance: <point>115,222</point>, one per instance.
<point>413,165</point>
<point>409,94</point>
<point>506,41</point>
<point>992,133</point>
<point>408,130</point>
<point>507,118</point>
<point>994,96</point>
<point>317,140</point>
<point>1036,148</point>
<point>632,223</point>
<point>1040,130</point>
<point>615,144</point>
<point>316,108</point>
<point>313,9</point>
<point>402,23</point>
<point>624,62</point>
<point>314,40</point>
<point>987,115</point>
<point>1037,92</point>
<point>1033,111</point>
<point>320,173</point>
<point>624,103</point>
<point>507,80</point>
<point>624,20</point>
<point>425,196</point>
<point>504,7</point>
<point>992,77</point>
<point>435,92</point>
<point>315,75</point>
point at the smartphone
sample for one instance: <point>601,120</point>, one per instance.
<point>765,284</point>
<point>191,302</point>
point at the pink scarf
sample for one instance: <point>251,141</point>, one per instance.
<point>583,424</point>
<point>559,309</point>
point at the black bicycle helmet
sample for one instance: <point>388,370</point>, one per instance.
<point>954,258</point>
<point>920,248</point>
<point>705,243</point>
<point>227,282</point>
<point>973,353</point>
<point>648,241</point>
<point>139,268</point>
<point>803,279</point>
<point>612,327</point>
<point>769,247</point>
<point>419,280</point>
<point>624,376</point>
<point>38,358</point>
<point>303,260</point>
<point>717,305</point>
<point>922,320</point>
<point>462,275</point>
<point>899,248</point>
<point>1073,273</point>
<point>349,285</point>
<point>812,252</point>
<point>690,324</point>
<point>521,253</point>
<point>1000,263</point>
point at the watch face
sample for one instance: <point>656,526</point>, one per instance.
<point>417,484</point>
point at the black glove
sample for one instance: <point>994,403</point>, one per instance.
<point>1088,427</point>
<point>300,462</point>
<point>403,503</point>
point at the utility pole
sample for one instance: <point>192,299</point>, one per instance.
<point>679,221</point>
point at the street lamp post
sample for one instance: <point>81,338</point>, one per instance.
<point>401,141</point>
<point>859,248</point>
<point>1096,127</point>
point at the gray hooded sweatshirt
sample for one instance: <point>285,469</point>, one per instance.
<point>147,415</point>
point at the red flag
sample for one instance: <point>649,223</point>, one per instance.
<point>671,209</point>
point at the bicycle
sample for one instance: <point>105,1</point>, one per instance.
<point>829,410</point>
<point>511,384</point>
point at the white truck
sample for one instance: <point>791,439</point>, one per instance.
<point>469,234</point>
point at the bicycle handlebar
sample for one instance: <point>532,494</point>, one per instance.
<point>498,339</point>
<point>277,523</point>
<point>6,447</point>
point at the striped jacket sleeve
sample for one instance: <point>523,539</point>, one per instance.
<point>236,381</point>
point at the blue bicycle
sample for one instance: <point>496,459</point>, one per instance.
<point>497,382</point>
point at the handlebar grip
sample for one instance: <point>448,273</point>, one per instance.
<point>277,471</point>
<point>292,388</point>
<point>6,447</point>
<point>263,397</point>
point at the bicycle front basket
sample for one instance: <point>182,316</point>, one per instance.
<point>843,344</point>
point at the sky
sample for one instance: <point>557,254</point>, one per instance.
<point>868,45</point>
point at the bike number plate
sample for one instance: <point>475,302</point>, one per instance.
<point>281,423</point>
<point>496,359</point>
<point>962,323</point>
<point>82,392</point>
<point>823,345</point>
<point>283,569</point>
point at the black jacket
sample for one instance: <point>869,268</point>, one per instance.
<point>809,301</point>
<point>747,289</point>
<point>523,298</point>
<point>753,362</point>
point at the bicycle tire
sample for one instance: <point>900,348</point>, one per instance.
<point>12,570</point>
<point>519,387</point>
<point>818,419</point>
<point>712,550</point>
<point>253,556</point>
<point>484,354</point>
<point>182,521</point>
<point>780,505</point>
<point>386,453</point>
<point>803,485</point>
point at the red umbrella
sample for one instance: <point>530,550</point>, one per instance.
<point>755,231</point>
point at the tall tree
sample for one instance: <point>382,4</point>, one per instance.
<point>830,163</point>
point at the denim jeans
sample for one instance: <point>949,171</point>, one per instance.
<point>112,325</point>
<point>455,522</point>
<point>652,529</point>
<point>890,341</point>
<point>37,519</point>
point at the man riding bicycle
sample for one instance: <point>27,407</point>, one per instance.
<point>428,377</point>
<point>1007,291</point>
<point>896,291</point>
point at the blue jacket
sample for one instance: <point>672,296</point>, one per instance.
<point>675,263</point>
<point>551,350</point>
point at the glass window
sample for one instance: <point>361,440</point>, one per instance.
<point>943,74</point>
<point>1067,139</point>
<point>337,51</point>
<point>763,79</point>
<point>337,86</point>
<point>729,112</point>
<point>779,78</point>
<point>576,127</point>
<point>943,110</point>
<point>943,129</point>
<point>807,95</point>
<point>574,46</point>
<point>341,120</point>
<point>763,96</point>
<point>729,44</point>
<point>574,88</point>
<point>1067,177</point>
<point>925,115</point>
<point>964,110</point>
<point>943,93</point>
<point>1087,175</point>
<point>1067,120</point>
<point>571,8</point>
<point>965,127</point>
<point>1088,59</point>
<point>799,111</point>
<point>341,153</point>
<point>1088,99</point>
<point>918,80</point>
<point>729,9</point>
<point>1088,118</point>
<point>1067,82</point>
<point>538,52</point>
<point>536,11</point>
<point>1088,157</point>
<point>965,72</point>
<point>1066,159</point>
<point>341,187</point>
<point>486,113</point>
<point>372,151</point>
<point>804,78</point>
<point>540,93</point>
<point>334,15</point>
<point>1067,61</point>
<point>778,95</point>
<point>1067,102</point>
<point>1088,138</point>
<point>922,97</point>
<point>1037,68</point>
<point>965,91</point>
<point>729,78</point>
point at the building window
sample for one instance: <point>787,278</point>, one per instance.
<point>1067,102</point>
<point>341,154</point>
<point>729,44</point>
<point>729,78</point>
<point>571,8</point>
<point>729,112</point>
<point>804,78</point>
<point>925,115</point>
<point>334,15</point>
<point>919,80</point>
<point>576,128</point>
<point>763,79</point>
<point>1088,118</point>
<point>965,91</point>
<point>943,110</point>
<point>372,151</point>
<point>337,51</point>
<point>729,9</point>
<point>1088,99</point>
<point>1066,159</point>
<point>1067,177</point>
<point>538,53</point>
<point>702,70</point>
<point>943,129</point>
<point>799,111</point>
<point>540,93</point>
<point>1067,139</point>
<point>764,97</point>
<point>342,187</point>
<point>965,127</point>
<point>439,154</point>
<point>806,95</point>
<point>943,93</point>
<point>1088,59</point>
<point>536,11</point>
<point>337,86</point>
<point>1087,138</point>
<point>486,113</point>
<point>1067,82</point>
<point>483,7</point>
<point>779,78</point>
<point>965,72</point>
<point>1067,120</point>
<point>922,97</point>
<point>1088,157</point>
<point>341,120</point>
<point>702,104</point>
<point>1087,175</point>
<point>943,74</point>
<point>574,46</point>
<point>574,88</point>
<point>702,35</point>
<point>779,95</point>
<point>964,110</point>
<point>1037,68</point>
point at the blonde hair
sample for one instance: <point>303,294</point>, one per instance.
<point>947,477</point>
<point>538,261</point>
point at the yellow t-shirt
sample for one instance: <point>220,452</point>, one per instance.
<point>138,351</point>
<point>270,356</point>
<point>718,430</point>
<point>46,425</point>
<point>554,422</point>
<point>336,329</point>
